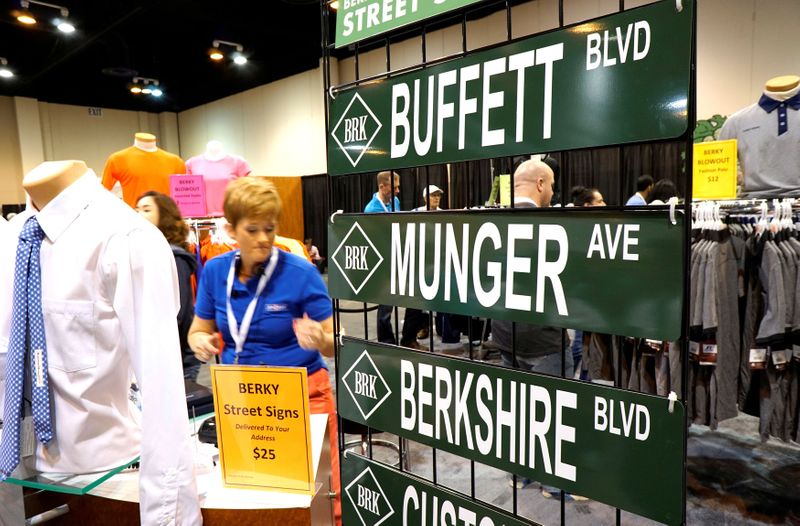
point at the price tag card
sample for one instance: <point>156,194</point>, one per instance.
<point>263,428</point>
<point>189,193</point>
<point>714,175</point>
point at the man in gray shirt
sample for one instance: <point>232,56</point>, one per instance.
<point>538,348</point>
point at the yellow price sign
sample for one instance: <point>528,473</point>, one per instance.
<point>714,174</point>
<point>263,428</point>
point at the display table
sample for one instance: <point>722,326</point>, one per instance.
<point>115,500</point>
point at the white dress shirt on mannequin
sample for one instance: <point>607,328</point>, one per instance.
<point>110,298</point>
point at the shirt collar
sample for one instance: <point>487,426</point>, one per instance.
<point>520,200</point>
<point>58,214</point>
<point>769,104</point>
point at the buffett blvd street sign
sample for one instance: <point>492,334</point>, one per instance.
<point>621,78</point>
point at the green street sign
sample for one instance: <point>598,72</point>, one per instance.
<point>618,79</point>
<point>618,447</point>
<point>602,271</point>
<point>357,20</point>
<point>376,495</point>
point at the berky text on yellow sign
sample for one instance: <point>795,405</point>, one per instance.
<point>263,427</point>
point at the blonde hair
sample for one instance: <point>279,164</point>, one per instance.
<point>386,177</point>
<point>251,197</point>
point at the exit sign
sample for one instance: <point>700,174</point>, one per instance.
<point>95,112</point>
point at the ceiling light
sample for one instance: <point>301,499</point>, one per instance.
<point>4,71</point>
<point>26,17</point>
<point>65,27</point>
<point>335,5</point>
<point>217,52</point>
<point>145,86</point>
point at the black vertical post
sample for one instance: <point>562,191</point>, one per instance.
<point>687,211</point>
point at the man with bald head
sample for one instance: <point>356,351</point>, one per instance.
<point>533,184</point>
<point>538,348</point>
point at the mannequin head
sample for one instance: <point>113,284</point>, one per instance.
<point>214,151</point>
<point>782,83</point>
<point>49,179</point>
<point>783,87</point>
<point>145,141</point>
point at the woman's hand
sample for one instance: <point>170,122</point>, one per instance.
<point>204,345</point>
<point>308,332</point>
<point>203,339</point>
<point>314,336</point>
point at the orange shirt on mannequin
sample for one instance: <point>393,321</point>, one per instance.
<point>139,171</point>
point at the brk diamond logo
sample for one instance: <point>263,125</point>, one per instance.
<point>356,129</point>
<point>368,499</point>
<point>366,385</point>
<point>357,258</point>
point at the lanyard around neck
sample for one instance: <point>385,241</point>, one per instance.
<point>238,334</point>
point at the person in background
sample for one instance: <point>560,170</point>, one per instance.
<point>644,184</point>
<point>416,321</point>
<point>663,191</point>
<point>270,306</point>
<point>435,194</point>
<point>162,211</point>
<point>582,196</point>
<point>538,348</point>
<point>313,253</point>
<point>385,200</point>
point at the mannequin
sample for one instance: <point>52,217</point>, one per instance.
<point>49,179</point>
<point>141,167</point>
<point>768,133</point>
<point>99,258</point>
<point>218,169</point>
<point>782,88</point>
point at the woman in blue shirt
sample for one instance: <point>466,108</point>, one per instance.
<point>270,307</point>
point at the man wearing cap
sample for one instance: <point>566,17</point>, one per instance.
<point>435,194</point>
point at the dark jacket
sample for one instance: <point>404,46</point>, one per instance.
<point>187,266</point>
<point>532,340</point>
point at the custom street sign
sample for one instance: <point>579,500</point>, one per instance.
<point>376,495</point>
<point>618,79</point>
<point>618,447</point>
<point>602,271</point>
<point>357,20</point>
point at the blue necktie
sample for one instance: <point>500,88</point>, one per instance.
<point>27,327</point>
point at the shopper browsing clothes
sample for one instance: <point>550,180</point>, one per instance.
<point>271,307</point>
<point>162,211</point>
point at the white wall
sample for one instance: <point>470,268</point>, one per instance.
<point>10,158</point>
<point>279,127</point>
<point>69,132</point>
